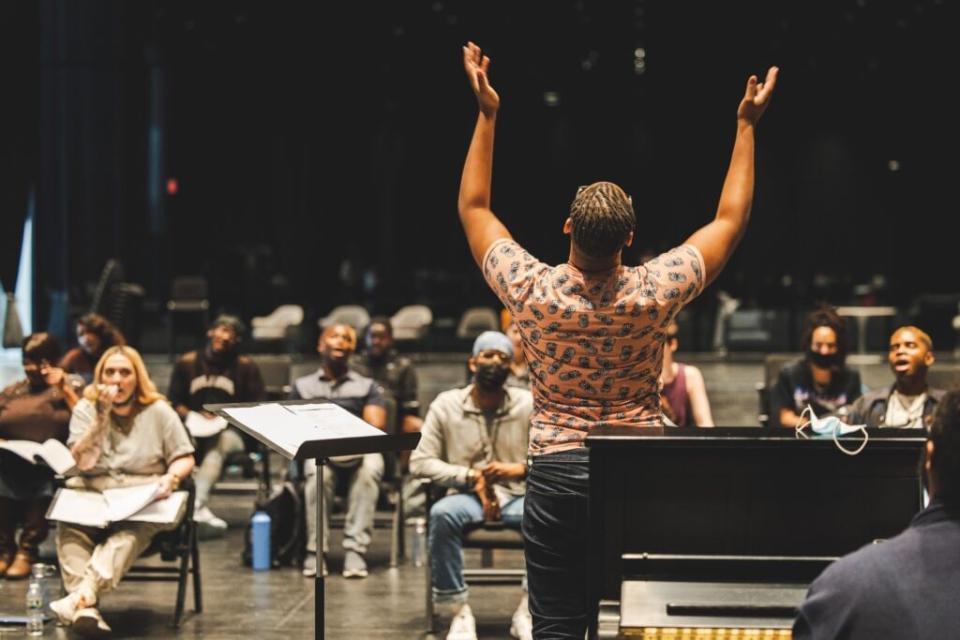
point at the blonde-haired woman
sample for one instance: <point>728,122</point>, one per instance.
<point>122,433</point>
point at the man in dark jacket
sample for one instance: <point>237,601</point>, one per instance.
<point>905,587</point>
<point>909,402</point>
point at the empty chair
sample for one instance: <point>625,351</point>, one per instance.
<point>274,326</point>
<point>476,320</point>
<point>351,314</point>
<point>188,294</point>
<point>411,322</point>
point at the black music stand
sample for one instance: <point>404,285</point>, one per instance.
<point>304,429</point>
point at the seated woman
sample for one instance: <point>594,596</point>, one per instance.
<point>123,432</point>
<point>684,395</point>
<point>36,408</point>
<point>821,379</point>
<point>95,334</point>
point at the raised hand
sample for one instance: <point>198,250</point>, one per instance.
<point>476,65</point>
<point>757,96</point>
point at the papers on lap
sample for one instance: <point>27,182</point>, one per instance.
<point>289,426</point>
<point>136,504</point>
<point>203,427</point>
<point>53,453</point>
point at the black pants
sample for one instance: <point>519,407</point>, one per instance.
<point>556,528</point>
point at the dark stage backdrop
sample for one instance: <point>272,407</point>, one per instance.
<point>311,142</point>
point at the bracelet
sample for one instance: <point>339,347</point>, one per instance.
<point>176,480</point>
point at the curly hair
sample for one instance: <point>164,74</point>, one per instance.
<point>40,347</point>
<point>826,316</point>
<point>602,219</point>
<point>104,329</point>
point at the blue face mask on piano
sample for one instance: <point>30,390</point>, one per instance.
<point>830,427</point>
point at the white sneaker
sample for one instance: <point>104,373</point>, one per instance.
<point>90,624</point>
<point>521,625</point>
<point>310,566</point>
<point>66,608</point>
<point>208,525</point>
<point>463,626</point>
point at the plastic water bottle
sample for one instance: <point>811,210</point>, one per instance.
<point>419,541</point>
<point>36,601</point>
<point>260,541</point>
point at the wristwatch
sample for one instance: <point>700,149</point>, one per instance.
<point>471,477</point>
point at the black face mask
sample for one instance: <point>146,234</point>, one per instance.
<point>490,377</point>
<point>824,361</point>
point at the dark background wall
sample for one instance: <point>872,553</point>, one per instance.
<point>302,135</point>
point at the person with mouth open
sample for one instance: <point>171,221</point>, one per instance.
<point>122,433</point>
<point>336,382</point>
<point>909,403</point>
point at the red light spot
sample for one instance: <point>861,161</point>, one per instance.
<point>172,186</point>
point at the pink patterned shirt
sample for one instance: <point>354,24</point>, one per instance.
<point>593,341</point>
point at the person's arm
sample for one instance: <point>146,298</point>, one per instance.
<point>717,240</point>
<point>480,225</point>
<point>87,449</point>
<point>699,402</point>
<point>178,392</point>
<point>374,411</point>
<point>428,459</point>
<point>176,472</point>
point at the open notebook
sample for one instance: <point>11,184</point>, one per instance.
<point>53,453</point>
<point>95,509</point>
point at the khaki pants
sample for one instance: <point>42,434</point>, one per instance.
<point>93,560</point>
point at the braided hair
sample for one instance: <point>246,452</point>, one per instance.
<point>602,219</point>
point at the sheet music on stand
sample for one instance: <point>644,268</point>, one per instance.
<point>304,429</point>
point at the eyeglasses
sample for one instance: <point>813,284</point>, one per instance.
<point>584,186</point>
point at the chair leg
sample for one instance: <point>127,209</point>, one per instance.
<point>195,569</point>
<point>395,535</point>
<point>181,587</point>
<point>431,613</point>
<point>402,520</point>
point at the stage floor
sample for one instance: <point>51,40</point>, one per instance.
<point>279,604</point>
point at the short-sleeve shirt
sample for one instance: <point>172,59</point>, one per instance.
<point>145,445</point>
<point>795,390</point>
<point>593,341</point>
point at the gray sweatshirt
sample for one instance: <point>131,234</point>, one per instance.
<point>456,436</point>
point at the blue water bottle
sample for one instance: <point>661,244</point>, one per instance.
<point>260,540</point>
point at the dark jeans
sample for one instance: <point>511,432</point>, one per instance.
<point>556,527</point>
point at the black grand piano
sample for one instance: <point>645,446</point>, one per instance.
<point>722,530</point>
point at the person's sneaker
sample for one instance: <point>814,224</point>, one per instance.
<point>521,625</point>
<point>463,626</point>
<point>66,608</point>
<point>354,566</point>
<point>88,623</point>
<point>208,525</point>
<point>310,566</point>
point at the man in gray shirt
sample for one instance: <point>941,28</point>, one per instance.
<point>361,396</point>
<point>474,441</point>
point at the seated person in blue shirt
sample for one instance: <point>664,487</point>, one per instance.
<point>909,403</point>
<point>905,587</point>
<point>361,396</point>
<point>820,379</point>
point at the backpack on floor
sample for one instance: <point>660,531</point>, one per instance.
<point>287,526</point>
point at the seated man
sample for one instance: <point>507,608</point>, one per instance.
<point>909,403</point>
<point>905,587</point>
<point>821,379</point>
<point>361,396</point>
<point>684,393</point>
<point>219,373</point>
<point>393,372</point>
<point>122,433</point>
<point>475,442</point>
